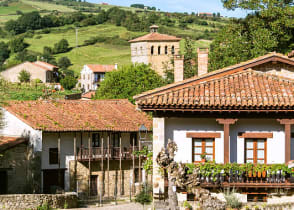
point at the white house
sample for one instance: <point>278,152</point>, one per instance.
<point>80,145</point>
<point>242,113</point>
<point>93,74</point>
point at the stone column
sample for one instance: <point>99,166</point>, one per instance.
<point>179,68</point>
<point>158,144</point>
<point>226,123</point>
<point>202,61</point>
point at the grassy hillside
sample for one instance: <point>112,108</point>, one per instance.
<point>16,6</point>
<point>47,6</point>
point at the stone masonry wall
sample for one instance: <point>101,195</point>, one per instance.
<point>32,201</point>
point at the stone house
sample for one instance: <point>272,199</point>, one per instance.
<point>83,146</point>
<point>239,114</point>
<point>93,74</point>
<point>155,49</point>
<point>46,72</point>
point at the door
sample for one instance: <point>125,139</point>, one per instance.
<point>53,180</point>
<point>94,185</point>
<point>3,182</point>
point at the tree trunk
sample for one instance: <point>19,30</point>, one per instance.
<point>172,196</point>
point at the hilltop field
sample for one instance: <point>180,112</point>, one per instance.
<point>114,48</point>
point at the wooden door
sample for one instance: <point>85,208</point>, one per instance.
<point>53,180</point>
<point>93,188</point>
<point>3,182</point>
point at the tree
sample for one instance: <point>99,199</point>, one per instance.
<point>64,62</point>
<point>24,76</point>
<point>144,197</point>
<point>68,82</point>
<point>190,59</point>
<point>129,81</point>
<point>17,44</point>
<point>269,28</point>
<point>4,52</point>
<point>61,46</point>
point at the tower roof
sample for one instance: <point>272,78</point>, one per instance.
<point>153,37</point>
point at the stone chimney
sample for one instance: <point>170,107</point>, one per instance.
<point>179,68</point>
<point>202,61</point>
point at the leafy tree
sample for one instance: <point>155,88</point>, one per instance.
<point>64,62</point>
<point>4,52</point>
<point>129,81</point>
<point>190,59</point>
<point>24,76</point>
<point>17,44</point>
<point>144,197</point>
<point>61,47</point>
<point>68,82</point>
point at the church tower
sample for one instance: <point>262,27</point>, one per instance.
<point>155,49</point>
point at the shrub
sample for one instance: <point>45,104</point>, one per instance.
<point>144,197</point>
<point>232,200</point>
<point>24,76</point>
<point>61,47</point>
<point>64,62</point>
<point>68,82</point>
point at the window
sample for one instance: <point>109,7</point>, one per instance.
<point>53,156</point>
<point>95,140</point>
<point>201,147</point>
<point>115,139</point>
<point>133,136</point>
<point>152,50</point>
<point>255,151</point>
<point>141,50</point>
<point>159,50</point>
<point>173,50</point>
<point>166,50</point>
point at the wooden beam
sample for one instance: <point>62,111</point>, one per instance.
<point>140,175</point>
<point>226,123</point>
<point>120,170</point>
<point>133,187</point>
<point>59,149</point>
<point>108,153</point>
<point>75,163</point>
<point>287,123</point>
<point>255,135</point>
<point>89,154</point>
<point>203,135</point>
<point>102,166</point>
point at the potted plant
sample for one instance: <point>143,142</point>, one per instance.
<point>187,205</point>
<point>259,170</point>
<point>249,169</point>
<point>203,157</point>
<point>264,170</point>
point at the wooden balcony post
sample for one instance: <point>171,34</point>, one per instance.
<point>120,170</point>
<point>140,174</point>
<point>58,146</point>
<point>89,155</point>
<point>287,123</point>
<point>226,123</point>
<point>102,165</point>
<point>108,153</point>
<point>75,164</point>
<point>133,187</point>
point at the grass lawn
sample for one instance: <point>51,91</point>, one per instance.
<point>15,6</point>
<point>48,6</point>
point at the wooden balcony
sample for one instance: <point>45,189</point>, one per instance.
<point>114,153</point>
<point>258,180</point>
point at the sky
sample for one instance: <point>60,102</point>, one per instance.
<point>212,6</point>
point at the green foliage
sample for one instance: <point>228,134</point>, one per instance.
<point>4,52</point>
<point>231,200</point>
<point>148,159</point>
<point>17,44</point>
<point>129,81</point>
<point>68,82</point>
<point>24,76</point>
<point>144,197</point>
<point>45,206</point>
<point>187,205</point>
<point>64,62</point>
<point>61,47</point>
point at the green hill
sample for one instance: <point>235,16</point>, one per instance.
<point>114,47</point>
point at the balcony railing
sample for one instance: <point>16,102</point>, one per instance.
<point>126,153</point>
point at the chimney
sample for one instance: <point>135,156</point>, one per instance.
<point>179,68</point>
<point>202,61</point>
<point>154,29</point>
<point>115,66</point>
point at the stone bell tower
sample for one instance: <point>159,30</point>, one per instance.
<point>155,49</point>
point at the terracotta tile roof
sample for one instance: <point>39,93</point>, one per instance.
<point>46,65</point>
<point>101,68</point>
<point>155,37</point>
<point>89,94</point>
<point>78,115</point>
<point>247,89</point>
<point>8,142</point>
<point>291,54</point>
<point>270,57</point>
<point>41,67</point>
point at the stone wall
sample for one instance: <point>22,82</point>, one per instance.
<point>32,201</point>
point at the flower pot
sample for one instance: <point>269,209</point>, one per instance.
<point>259,174</point>
<point>254,174</point>
<point>264,174</point>
<point>250,174</point>
<point>202,160</point>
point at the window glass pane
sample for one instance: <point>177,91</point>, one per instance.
<point>198,142</point>
<point>260,144</point>
<point>260,161</point>
<point>209,150</point>
<point>198,150</point>
<point>209,157</point>
<point>249,161</point>
<point>197,158</point>
<point>249,153</point>
<point>249,144</point>
<point>260,154</point>
<point>209,142</point>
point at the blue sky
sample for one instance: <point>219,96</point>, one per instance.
<point>181,6</point>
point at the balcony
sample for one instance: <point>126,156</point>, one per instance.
<point>97,153</point>
<point>245,176</point>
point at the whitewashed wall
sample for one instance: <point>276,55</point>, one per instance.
<point>87,82</point>
<point>14,127</point>
<point>177,128</point>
